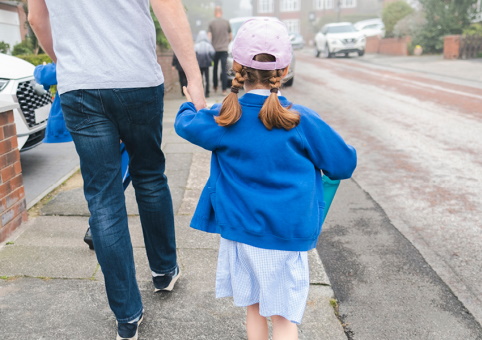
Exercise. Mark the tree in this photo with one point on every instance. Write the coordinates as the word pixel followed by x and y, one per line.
pixel 444 17
pixel 393 13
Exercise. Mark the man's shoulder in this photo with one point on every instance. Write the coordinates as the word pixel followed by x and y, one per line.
pixel 219 22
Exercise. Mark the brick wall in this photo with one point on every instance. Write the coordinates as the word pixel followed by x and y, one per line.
pixel 451 46
pixel 389 46
pixel 13 210
pixel 170 76
pixel 373 44
pixel 394 46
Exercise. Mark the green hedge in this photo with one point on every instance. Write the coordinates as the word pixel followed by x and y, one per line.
pixel 36 59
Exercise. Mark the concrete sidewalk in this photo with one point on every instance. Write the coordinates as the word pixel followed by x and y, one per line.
pixel 51 286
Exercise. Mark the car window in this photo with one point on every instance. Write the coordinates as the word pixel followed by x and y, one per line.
pixel 340 29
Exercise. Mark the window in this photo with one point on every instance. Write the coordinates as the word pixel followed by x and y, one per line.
pixel 328 4
pixel 348 3
pixel 265 6
pixel 318 4
pixel 290 5
pixel 293 25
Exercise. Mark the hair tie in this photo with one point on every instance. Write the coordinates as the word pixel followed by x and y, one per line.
pixel 274 90
pixel 234 89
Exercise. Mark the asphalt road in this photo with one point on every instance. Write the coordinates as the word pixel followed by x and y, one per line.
pixel 412 246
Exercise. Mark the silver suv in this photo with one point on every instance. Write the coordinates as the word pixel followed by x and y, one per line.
pixel 17 85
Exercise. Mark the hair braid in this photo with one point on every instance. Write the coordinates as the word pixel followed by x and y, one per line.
pixel 230 109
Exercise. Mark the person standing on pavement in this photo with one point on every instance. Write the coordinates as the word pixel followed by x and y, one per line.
pixel 205 54
pixel 111 88
pixel 264 195
pixel 219 33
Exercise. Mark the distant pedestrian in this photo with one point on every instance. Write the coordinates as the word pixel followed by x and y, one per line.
pixel 220 34
pixel 180 72
pixel 112 88
pixel 205 55
pixel 265 194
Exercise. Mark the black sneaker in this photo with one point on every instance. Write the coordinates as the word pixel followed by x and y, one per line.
pixel 167 281
pixel 88 239
pixel 128 331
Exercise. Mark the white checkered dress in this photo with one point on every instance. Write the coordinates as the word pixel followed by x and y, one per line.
pixel 276 279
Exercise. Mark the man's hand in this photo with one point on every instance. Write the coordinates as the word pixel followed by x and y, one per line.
pixel 174 23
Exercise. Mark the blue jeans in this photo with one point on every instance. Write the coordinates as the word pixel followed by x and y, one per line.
pixel 98 120
pixel 223 58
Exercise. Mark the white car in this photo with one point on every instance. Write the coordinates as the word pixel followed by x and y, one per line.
pixel 17 85
pixel 371 27
pixel 337 38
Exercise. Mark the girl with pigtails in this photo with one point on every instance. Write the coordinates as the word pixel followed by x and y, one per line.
pixel 264 195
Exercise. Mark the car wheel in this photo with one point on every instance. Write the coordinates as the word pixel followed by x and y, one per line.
pixel 290 82
pixel 317 52
pixel 361 53
pixel 327 52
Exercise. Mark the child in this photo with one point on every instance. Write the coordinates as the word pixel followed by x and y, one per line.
pixel 205 54
pixel 264 195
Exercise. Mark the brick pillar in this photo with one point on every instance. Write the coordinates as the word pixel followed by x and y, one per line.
pixel 13 207
pixel 451 46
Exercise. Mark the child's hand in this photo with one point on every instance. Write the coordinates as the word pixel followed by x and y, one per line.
pixel 186 93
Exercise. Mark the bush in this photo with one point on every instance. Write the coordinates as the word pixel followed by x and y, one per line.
pixel 474 29
pixel 25 47
pixel 4 47
pixel 393 13
pixel 410 26
pixel 36 59
pixel 443 18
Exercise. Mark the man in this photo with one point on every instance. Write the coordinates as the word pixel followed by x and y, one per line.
pixel 111 89
pixel 219 33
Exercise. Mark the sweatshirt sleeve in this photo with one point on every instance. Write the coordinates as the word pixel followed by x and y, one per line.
pixel 46 74
pixel 199 127
pixel 326 148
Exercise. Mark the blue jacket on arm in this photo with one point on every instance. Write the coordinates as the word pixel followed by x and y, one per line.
pixel 265 187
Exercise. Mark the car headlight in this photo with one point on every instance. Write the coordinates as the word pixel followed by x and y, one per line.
pixel 334 42
pixel 3 83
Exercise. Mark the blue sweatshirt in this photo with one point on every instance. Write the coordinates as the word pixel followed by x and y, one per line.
pixel 265 187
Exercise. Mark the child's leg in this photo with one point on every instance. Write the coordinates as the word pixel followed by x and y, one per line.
pixel 256 325
pixel 283 329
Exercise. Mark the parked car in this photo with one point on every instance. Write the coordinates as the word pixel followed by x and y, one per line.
pixel 371 27
pixel 17 85
pixel 235 25
pixel 297 41
pixel 337 38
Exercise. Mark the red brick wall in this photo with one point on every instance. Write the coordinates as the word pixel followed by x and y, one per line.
pixel 373 44
pixel 390 46
pixel 451 46
pixel 394 46
pixel 170 75
pixel 13 210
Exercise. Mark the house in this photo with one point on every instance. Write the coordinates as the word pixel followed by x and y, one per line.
pixel 307 16
pixel 12 22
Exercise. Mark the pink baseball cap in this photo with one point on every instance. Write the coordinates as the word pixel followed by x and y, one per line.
pixel 262 35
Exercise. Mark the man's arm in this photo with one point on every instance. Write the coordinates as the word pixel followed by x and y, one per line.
pixel 175 26
pixel 38 17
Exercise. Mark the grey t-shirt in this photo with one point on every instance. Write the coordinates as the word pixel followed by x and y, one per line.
pixel 104 44
pixel 220 29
